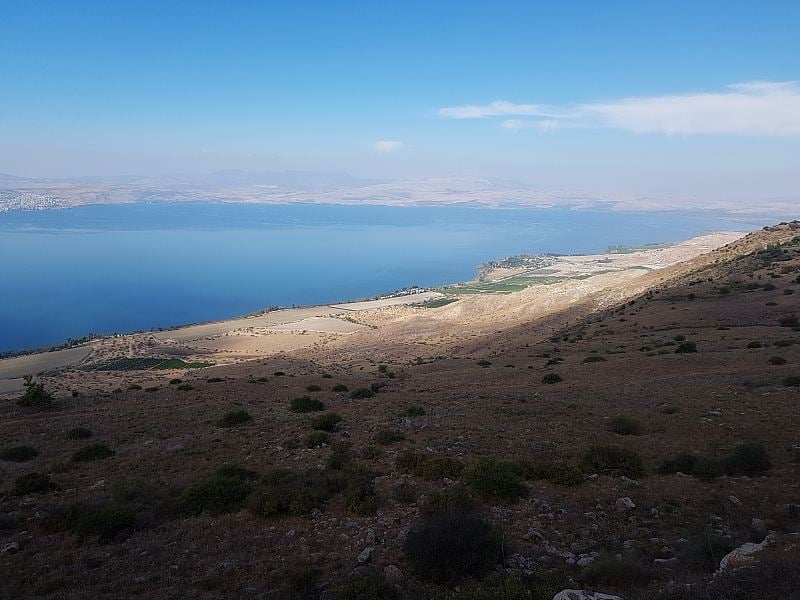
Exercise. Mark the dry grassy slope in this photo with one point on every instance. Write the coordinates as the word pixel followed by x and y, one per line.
pixel 725 394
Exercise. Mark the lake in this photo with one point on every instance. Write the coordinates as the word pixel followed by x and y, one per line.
pixel 104 269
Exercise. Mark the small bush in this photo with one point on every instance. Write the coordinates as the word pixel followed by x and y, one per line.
pixel 613 459
pixel 789 321
pixel 360 496
pixel 175 381
pixel 681 463
pixel 754 344
pixel 747 459
pixel 134 387
pixel 234 418
pixel 389 436
pixel 686 348
pixel 593 359
pixel 363 587
pixel 483 363
pixel 452 499
pixel 315 439
pixel 305 404
pixel 303 583
pixel 35 395
pixel 494 478
pixel 679 338
pixel 289 492
pixel 791 381
pixel 18 453
pixel 777 360
pixel 79 433
pixel 225 491
pixel 105 521
pixel 415 410
pixel 328 422
pixel 362 393
pixel 625 425
pixel 551 378
pixel 184 387
pixel 339 387
pixel 447 547
pixel 92 452
pixel 429 466
pixel 33 483
pixel 313 388
pixel 405 493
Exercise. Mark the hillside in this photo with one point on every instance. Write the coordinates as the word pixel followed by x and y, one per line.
pixel 624 440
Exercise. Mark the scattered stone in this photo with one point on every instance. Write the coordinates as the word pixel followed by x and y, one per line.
pixel 759 527
pixel 583 595
pixel 364 555
pixel 585 561
pixel 734 500
pixel 743 555
pixel 629 481
pixel 665 562
pixel 393 575
pixel 10 548
pixel 624 504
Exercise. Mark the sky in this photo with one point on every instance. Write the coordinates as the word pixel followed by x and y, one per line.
pixel 694 98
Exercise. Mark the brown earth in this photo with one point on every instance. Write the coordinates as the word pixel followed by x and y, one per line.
pixel 476 368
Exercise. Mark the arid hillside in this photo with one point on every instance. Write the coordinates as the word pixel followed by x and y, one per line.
pixel 622 441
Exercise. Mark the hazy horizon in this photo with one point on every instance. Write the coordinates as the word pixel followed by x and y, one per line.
pixel 658 100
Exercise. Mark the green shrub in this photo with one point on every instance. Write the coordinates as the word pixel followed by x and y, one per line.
pixel 509 585
pixel 134 387
pixel 362 393
pixel 704 549
pixel 290 492
pixel 679 338
pixel 625 425
pixel 551 378
pixel 175 381
pixel 686 348
pixel 754 344
pixel 747 459
pixel 18 453
pixel 483 363
pixel 303 583
pixel 415 410
pixel 429 466
pixel 105 521
pixel 494 478
pixel 92 452
pixel 680 463
pixel 447 547
pixel 339 387
pixel 452 499
pixel 791 381
pixel 386 437
pixel 225 491
pixel 789 321
pixel 613 459
pixel 184 387
pixel 305 404
pixel 313 388
pixel 33 483
pixel 79 433
pixel 341 455
pixel 363 587
pixel 777 360
pixel 593 359
pixel 360 496
pixel 328 422
pixel 234 418
pixel 35 396
pixel 315 439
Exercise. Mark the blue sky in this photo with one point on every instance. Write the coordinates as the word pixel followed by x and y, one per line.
pixel 380 89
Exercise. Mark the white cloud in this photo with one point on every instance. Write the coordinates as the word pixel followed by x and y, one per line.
pixel 386 145
pixel 766 109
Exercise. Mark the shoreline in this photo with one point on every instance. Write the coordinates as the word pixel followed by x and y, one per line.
pixel 271 332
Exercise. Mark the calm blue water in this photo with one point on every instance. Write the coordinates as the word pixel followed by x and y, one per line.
pixel 109 269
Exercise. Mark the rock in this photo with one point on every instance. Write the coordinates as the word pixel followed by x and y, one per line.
pixel 734 500
pixel 364 555
pixel 10 548
pixel 393 575
pixel 629 481
pixel 743 555
pixel 624 504
pixel 583 595
pixel 665 562
pixel 585 561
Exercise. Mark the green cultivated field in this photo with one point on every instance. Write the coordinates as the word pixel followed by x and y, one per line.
pixel 145 364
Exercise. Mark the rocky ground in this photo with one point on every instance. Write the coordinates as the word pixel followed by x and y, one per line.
pixel 624 444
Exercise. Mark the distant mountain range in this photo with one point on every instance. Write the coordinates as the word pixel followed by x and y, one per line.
pixel 21 193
